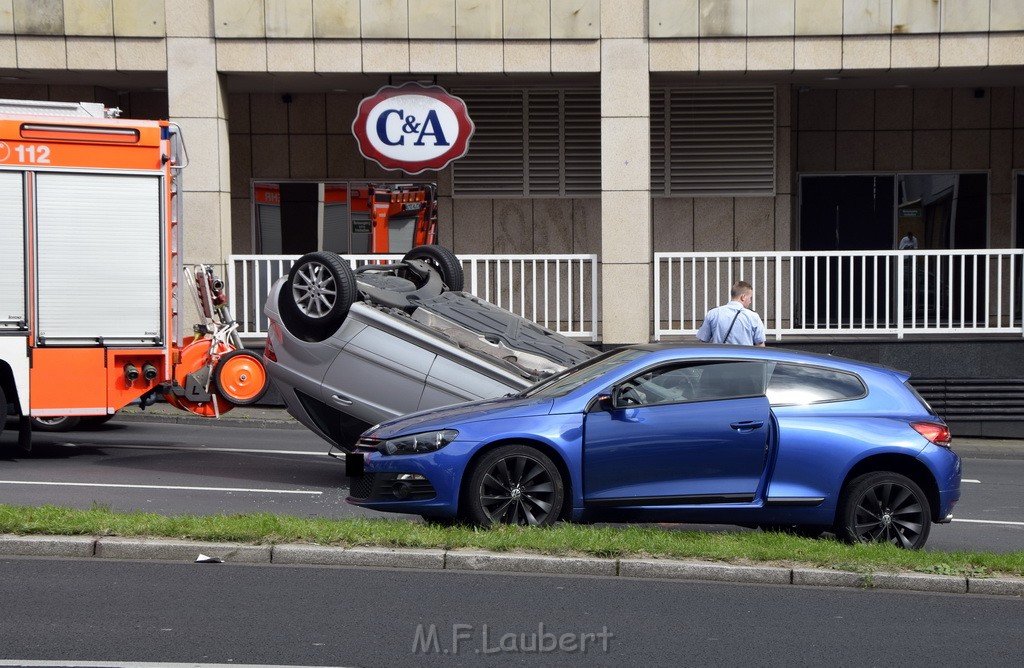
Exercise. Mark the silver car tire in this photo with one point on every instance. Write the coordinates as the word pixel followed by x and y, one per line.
pixel 321 288
pixel 442 259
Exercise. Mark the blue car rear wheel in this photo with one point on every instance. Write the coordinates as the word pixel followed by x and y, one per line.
pixel 515 484
pixel 884 507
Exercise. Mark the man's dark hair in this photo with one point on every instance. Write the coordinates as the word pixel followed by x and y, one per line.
pixel 741 288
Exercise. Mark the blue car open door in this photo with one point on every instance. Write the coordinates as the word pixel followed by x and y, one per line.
pixel 697 434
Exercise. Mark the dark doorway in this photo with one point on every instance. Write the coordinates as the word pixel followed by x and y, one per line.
pixel 300 208
pixel 845 213
pixel 1019 218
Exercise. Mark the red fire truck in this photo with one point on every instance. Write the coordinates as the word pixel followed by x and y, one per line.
pixel 92 286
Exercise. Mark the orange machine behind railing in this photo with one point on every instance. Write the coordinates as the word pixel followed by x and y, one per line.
pixel 396 217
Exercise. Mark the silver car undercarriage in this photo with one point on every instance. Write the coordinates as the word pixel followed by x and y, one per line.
pixel 347 349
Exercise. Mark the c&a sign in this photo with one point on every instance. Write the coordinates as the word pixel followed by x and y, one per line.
pixel 412 127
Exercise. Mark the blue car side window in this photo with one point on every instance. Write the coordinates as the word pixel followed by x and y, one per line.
pixel 705 381
pixel 798 384
pixel 732 380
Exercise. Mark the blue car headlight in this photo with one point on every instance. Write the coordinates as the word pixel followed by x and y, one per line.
pixel 414 444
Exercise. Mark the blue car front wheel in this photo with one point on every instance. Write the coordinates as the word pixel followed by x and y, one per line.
pixel 515 484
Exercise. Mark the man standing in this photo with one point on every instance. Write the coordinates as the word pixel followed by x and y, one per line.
pixel 733 322
pixel 908 242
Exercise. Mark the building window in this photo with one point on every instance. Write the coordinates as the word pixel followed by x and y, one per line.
pixel 1019 218
pixel 864 212
pixel 296 217
pixel 534 142
pixel 712 141
pixel 874 211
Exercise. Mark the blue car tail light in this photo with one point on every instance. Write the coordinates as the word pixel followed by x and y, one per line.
pixel 937 434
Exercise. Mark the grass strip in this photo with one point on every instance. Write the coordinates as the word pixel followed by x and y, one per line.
pixel 642 541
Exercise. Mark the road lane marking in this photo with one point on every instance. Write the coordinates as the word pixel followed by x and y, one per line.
pixel 1003 522
pixel 970 480
pixel 180 487
pixel 194 448
pixel 136 664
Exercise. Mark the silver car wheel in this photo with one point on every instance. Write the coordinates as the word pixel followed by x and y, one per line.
pixel 314 290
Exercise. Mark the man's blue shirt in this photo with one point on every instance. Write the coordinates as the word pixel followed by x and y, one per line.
pixel 748 330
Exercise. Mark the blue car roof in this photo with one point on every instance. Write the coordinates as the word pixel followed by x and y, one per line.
pixel 703 350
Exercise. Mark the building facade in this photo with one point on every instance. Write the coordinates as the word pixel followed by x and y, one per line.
pixel 621 128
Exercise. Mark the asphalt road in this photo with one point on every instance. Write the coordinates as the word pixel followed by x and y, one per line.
pixel 171 468
pixel 95 610
pixel 205 469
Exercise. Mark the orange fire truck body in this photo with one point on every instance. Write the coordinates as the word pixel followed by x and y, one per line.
pixel 90 264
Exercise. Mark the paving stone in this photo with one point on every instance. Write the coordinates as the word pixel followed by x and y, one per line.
pixel 528 563
pixel 48 546
pixel 998 586
pixel 820 577
pixel 180 550
pixel 378 557
pixel 920 582
pixel 695 570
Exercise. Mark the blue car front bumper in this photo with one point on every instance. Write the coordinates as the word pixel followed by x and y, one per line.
pixel 424 484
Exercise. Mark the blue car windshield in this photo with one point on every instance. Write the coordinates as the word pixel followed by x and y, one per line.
pixel 565 382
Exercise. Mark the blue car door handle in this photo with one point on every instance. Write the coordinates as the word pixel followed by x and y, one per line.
pixel 747 425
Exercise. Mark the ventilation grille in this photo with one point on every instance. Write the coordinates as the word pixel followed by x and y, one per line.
pixel 713 141
pixel 538 142
pixel 981 400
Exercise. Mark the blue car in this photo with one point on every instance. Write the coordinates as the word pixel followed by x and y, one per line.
pixel 757 437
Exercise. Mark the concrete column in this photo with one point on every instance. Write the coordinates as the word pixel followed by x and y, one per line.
pixel 626 246
pixel 197 102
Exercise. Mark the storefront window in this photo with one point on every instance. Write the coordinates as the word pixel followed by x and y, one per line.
pixel 944 210
pixel 1019 217
pixel 356 217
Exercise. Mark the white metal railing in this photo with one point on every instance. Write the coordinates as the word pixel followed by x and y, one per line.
pixel 556 291
pixel 892 293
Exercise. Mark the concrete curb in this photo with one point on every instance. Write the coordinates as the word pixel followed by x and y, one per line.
pixel 476 560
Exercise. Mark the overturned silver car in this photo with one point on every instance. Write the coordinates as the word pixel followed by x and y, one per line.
pixel 349 348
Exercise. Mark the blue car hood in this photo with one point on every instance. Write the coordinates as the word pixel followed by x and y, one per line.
pixel 451 416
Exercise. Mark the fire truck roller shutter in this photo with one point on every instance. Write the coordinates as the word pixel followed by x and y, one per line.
pixel 12 251
pixel 100 258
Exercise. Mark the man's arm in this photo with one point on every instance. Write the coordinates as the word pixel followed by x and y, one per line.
pixel 758 334
pixel 704 334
